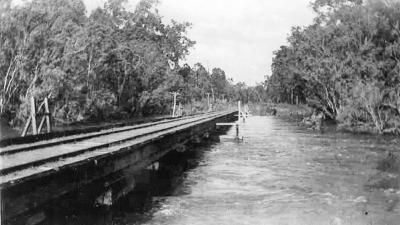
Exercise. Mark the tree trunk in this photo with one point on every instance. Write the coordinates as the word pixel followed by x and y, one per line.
pixel 88 73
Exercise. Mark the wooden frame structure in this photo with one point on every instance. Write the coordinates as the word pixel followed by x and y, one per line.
pixel 44 106
pixel 240 115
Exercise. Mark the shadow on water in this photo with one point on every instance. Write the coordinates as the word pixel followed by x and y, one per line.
pixel 387 179
pixel 151 186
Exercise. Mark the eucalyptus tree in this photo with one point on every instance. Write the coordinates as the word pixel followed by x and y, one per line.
pixel 347 62
pixel 32 46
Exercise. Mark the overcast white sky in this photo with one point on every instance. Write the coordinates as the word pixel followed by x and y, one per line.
pixel 238 36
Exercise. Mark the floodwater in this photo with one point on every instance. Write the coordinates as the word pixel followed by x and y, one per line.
pixel 279 174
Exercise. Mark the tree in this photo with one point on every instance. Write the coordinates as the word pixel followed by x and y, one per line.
pixel 345 63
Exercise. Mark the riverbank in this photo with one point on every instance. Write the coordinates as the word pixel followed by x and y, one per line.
pixel 306 116
pixel 295 113
pixel 303 115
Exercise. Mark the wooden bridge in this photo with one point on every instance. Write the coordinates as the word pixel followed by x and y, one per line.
pixel 35 173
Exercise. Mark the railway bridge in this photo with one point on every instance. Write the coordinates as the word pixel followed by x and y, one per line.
pixel 36 172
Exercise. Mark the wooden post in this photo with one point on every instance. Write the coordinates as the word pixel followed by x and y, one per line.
pixel 41 124
pixel 174 107
pixel 237 131
pixel 179 109
pixel 208 101
pixel 33 116
pixel 239 113
pixel 246 111
pixel 27 125
pixel 47 112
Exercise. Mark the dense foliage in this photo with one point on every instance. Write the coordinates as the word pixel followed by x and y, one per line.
pixel 111 63
pixel 347 63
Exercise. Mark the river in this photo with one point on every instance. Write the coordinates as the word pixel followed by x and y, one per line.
pixel 279 174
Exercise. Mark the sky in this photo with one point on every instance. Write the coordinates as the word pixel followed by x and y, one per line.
pixel 238 36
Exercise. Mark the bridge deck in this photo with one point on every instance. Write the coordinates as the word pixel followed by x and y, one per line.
pixel 24 161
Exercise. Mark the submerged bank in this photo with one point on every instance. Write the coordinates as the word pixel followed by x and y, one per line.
pixel 312 119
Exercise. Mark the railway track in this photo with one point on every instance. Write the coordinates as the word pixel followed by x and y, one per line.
pixel 78 130
pixel 16 148
pixel 26 159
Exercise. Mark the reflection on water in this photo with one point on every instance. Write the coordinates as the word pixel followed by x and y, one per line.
pixel 279 174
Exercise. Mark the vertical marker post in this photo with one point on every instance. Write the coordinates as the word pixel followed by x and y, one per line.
pixel 174 107
pixel 33 116
pixel 208 101
pixel 239 112
pixel 237 131
pixel 179 113
pixel 47 113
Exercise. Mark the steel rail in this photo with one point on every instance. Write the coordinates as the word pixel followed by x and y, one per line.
pixel 12 149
